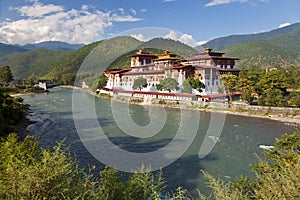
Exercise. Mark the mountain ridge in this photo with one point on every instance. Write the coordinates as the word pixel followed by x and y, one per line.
pixel 223 42
pixel 276 51
pixel 53 45
pixel 281 47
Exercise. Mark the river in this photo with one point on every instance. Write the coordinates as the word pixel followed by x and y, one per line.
pixel 233 150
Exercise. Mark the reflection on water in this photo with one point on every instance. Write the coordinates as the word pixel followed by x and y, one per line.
pixel 235 149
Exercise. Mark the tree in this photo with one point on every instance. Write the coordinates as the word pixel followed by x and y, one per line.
pixel 187 87
pixel 294 99
pixel 102 81
pixel 29 171
pixel 67 79
pixel 247 87
pixel 139 83
pixel 5 75
pixel 272 85
pixel 192 83
pixel 168 84
pixel 12 112
pixel 230 82
pixel 277 175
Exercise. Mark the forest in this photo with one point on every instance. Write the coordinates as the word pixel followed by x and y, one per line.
pixel 274 87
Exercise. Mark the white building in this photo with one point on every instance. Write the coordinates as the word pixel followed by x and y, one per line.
pixel 206 66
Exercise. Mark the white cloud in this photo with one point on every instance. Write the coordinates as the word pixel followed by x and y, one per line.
pixel 284 25
pixel 122 11
pixel 164 1
pixel 38 9
pixel 85 7
pixel 133 11
pixel 126 18
pixel 139 37
pixel 220 2
pixel 48 22
pixel 172 35
pixel 184 38
pixel 143 10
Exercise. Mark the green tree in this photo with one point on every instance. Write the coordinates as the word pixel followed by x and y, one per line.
pixel 247 80
pixel 144 185
pixel 230 82
pixel 221 90
pixel 294 99
pixel 67 79
pixel 187 87
pixel 247 87
pixel 197 84
pixel 168 84
pixel 102 81
pixel 139 83
pixel 272 85
pixel 5 75
pixel 192 83
pixel 29 171
pixel 12 112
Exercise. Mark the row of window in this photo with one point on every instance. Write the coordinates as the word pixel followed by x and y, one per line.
pixel 213 83
pixel 226 66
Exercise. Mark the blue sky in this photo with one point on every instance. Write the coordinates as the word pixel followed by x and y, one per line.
pixel 190 21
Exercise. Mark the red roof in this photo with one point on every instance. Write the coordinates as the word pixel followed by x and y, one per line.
pixel 157 93
pixel 229 70
pixel 144 54
pixel 116 71
pixel 200 57
pixel 177 66
pixel 143 66
pixel 145 72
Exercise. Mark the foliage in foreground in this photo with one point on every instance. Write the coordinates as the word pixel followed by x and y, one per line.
pixel 277 176
pixel 12 112
pixel 28 171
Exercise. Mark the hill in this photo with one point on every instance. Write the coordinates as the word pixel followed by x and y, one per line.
pixel 65 71
pixel 154 46
pixel 279 50
pixel 34 64
pixel 289 41
pixel 223 42
pixel 53 45
pixel 176 47
pixel 7 51
pixel 63 65
pixel 262 53
pixel 102 56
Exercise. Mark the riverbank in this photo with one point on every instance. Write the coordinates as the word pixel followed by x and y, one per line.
pixel 289 116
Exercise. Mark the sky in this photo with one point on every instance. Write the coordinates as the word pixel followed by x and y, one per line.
pixel 193 22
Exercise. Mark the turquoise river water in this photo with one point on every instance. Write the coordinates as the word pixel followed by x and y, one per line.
pixel 235 148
